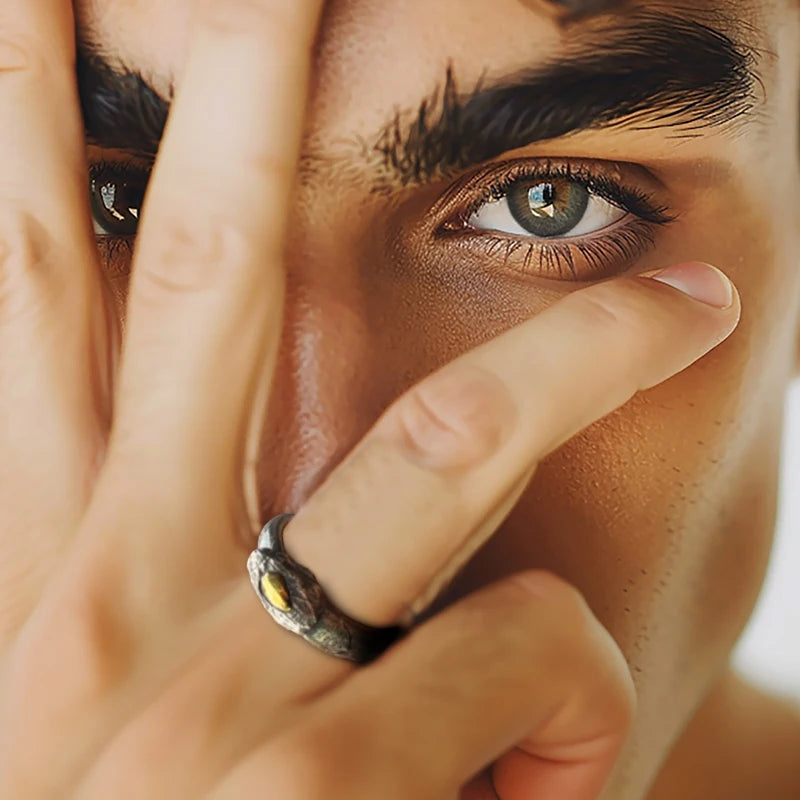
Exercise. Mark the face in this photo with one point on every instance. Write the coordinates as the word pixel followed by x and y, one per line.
pixel 419 232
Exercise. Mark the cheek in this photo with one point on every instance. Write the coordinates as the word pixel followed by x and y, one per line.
pixel 662 513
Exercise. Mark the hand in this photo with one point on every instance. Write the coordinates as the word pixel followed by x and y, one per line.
pixel 136 661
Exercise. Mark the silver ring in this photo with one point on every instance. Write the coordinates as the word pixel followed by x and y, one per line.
pixel 292 595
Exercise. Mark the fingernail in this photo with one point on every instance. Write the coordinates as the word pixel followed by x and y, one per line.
pixel 699 280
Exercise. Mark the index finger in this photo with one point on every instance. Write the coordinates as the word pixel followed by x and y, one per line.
pixel 445 464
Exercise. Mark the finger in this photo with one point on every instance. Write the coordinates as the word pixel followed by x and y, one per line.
pixel 434 477
pixel 398 514
pixel 207 288
pixel 203 323
pixel 431 482
pixel 443 466
pixel 400 510
pixel 521 671
pixel 54 350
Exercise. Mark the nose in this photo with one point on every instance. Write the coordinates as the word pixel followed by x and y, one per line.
pixel 330 385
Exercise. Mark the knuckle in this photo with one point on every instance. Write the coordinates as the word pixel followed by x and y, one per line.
pixel 562 610
pixel 25 262
pixel 72 647
pixel 189 259
pixel 21 56
pixel 455 419
pixel 582 651
pixel 605 307
pixel 555 590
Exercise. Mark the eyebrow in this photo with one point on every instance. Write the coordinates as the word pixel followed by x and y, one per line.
pixel 578 8
pixel 659 71
pixel 120 109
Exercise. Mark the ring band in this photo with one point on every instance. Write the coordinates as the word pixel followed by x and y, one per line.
pixel 292 595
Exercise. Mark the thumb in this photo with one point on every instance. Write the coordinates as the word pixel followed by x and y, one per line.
pixel 520 674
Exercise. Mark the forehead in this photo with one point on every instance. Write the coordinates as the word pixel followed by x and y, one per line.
pixel 150 36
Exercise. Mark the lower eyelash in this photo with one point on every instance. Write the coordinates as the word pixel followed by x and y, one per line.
pixel 116 253
pixel 618 246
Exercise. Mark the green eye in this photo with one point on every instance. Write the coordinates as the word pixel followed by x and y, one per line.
pixel 549 208
pixel 116 193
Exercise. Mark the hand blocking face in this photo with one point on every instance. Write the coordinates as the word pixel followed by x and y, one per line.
pixel 160 645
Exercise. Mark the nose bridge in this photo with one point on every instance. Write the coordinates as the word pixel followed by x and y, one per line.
pixel 325 394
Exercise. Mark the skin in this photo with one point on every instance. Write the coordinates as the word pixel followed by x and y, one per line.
pixel 661 513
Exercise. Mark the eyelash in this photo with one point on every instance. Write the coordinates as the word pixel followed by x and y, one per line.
pixel 620 244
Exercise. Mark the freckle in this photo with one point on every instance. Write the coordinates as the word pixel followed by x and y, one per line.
pixel 714 460
pixel 663 583
pixel 625 590
pixel 702 444
pixel 627 609
pixel 691 405
pixel 718 422
pixel 643 571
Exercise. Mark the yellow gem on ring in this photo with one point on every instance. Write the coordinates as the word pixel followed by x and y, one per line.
pixel 274 588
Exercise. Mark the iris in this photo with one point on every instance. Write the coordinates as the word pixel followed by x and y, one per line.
pixel 549 208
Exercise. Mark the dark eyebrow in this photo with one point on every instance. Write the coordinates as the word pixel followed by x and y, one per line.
pixel 120 109
pixel 579 8
pixel 654 71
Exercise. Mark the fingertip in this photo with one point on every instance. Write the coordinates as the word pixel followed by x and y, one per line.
pixel 700 281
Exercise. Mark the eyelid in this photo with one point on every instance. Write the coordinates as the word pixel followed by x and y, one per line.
pixel 600 254
pixel 616 182
pixel 120 168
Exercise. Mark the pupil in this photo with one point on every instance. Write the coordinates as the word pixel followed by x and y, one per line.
pixel 108 193
pixel 548 208
pixel 116 205
pixel 541 195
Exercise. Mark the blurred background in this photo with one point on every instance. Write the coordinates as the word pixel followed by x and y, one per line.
pixel 769 652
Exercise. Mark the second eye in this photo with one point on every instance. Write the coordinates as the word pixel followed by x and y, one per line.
pixel 546 209
pixel 116 192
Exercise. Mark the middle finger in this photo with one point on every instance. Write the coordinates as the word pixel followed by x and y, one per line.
pixel 206 298
pixel 421 492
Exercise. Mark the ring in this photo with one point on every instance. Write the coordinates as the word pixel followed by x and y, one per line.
pixel 296 601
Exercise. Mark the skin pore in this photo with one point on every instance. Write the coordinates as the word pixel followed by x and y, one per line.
pixel 662 513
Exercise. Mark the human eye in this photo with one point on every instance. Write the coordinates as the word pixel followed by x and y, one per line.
pixel 557 220
pixel 116 195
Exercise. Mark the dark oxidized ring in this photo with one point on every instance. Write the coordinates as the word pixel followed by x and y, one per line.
pixel 296 601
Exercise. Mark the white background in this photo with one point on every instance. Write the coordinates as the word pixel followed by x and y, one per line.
pixel 769 652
